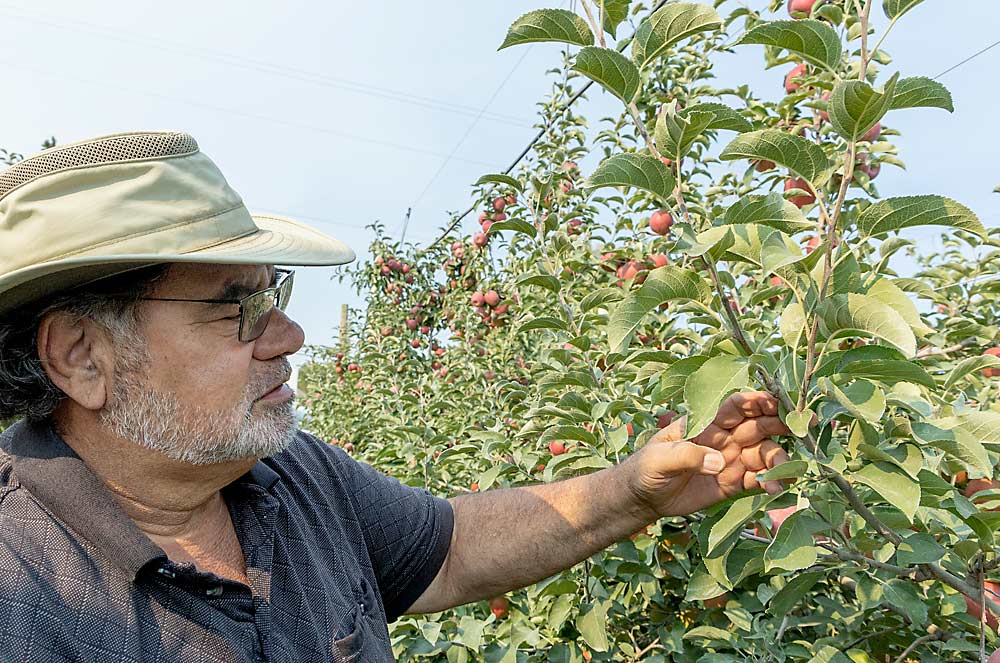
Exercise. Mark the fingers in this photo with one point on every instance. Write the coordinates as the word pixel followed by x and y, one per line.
pixel 749 431
pixel 743 405
pixel 680 457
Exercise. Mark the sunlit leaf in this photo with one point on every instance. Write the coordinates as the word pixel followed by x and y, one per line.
pixel 668 25
pixel 499 178
pixel 908 211
pixel 896 8
pixel 793 548
pixel 549 25
pixel 814 41
pixel 708 386
pixel 862 313
pixel 801 156
pixel 641 171
pixel 855 106
pixel 921 92
pixel 893 484
pixel 669 283
pixel 771 210
pixel 611 69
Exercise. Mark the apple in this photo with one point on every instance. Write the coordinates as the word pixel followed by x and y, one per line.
pixel 415 342
pixel 500 310
pixel 659 260
pixel 663 420
pixel 557 448
pixel 798 183
pixel 630 269
pixel 474 486
pixel 812 244
pixel 479 239
pixel 991 372
pixel 975 486
pixel 491 298
pixel 511 199
pixel 992 591
pixel 872 134
pixel 483 216
pixel 487 225
pixel 565 186
pixel 499 203
pixel 499 607
pixel 796 71
pixel 348 447
pixel 569 165
pixel 660 222
pixel 477 299
pixel 574 226
pixel 994 657
pixel 800 8
pixel 412 323
pixel 386 331
pixel 763 165
pixel 718 602
pixel 776 281
pixel 499 216
pixel 425 329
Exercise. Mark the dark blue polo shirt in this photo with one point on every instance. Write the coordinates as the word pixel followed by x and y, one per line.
pixel 333 551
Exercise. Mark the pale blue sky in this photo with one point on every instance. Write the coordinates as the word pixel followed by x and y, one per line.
pixel 342 113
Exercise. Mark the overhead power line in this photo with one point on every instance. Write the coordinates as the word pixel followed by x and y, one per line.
pixel 245 114
pixel 968 59
pixel 315 78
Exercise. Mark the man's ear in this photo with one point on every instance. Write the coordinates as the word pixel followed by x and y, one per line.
pixel 78 358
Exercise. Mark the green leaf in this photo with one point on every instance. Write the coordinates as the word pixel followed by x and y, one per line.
pixel 517 225
pixel 814 41
pixel 861 398
pixel 893 484
pixel 635 170
pixel 668 283
pixel 592 625
pixel 737 515
pixel 674 134
pixel 615 11
pixel 611 69
pixel 709 634
pixel 549 25
pixel 568 433
pixel 499 178
pixel 695 245
pixel 668 25
pixel 956 442
pixel 792 548
pixel 772 210
pixel 895 298
pixel 792 324
pixel 896 8
pixel 862 313
pixel 889 371
pixel 908 211
pixel 543 322
pixel 984 426
pixel 600 297
pixel 968 367
pixel 801 156
pixel 918 548
pixel 921 92
pixel 708 386
pixel 793 591
pixel 828 654
pixel 904 595
pixel 673 379
pixel 546 281
pixel 790 469
pixel 798 421
pixel 856 106
pixel 779 250
pixel 724 117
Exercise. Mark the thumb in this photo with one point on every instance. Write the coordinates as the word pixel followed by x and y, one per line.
pixel 689 457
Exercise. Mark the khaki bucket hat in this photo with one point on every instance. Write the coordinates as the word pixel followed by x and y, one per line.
pixel 81 212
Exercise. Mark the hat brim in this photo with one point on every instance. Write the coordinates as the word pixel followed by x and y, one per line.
pixel 278 241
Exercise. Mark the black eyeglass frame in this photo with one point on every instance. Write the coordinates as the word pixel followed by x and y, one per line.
pixel 260 304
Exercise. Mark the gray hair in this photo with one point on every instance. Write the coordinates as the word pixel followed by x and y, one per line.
pixel 113 303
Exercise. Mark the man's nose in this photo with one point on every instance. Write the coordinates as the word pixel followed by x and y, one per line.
pixel 283 336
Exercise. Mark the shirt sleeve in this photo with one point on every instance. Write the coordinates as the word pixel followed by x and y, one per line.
pixel 407 531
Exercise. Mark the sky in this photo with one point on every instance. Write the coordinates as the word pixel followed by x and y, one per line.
pixel 342 114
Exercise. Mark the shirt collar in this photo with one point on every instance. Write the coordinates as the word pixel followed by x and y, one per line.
pixel 51 471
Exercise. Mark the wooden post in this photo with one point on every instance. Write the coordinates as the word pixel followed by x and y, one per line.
pixel 344 329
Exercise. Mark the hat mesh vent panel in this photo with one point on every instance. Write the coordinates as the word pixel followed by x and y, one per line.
pixel 114 149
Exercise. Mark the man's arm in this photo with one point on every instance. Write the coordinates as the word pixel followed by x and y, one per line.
pixel 510 538
pixel 506 539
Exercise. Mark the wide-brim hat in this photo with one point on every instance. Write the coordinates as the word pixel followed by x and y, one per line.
pixel 81 212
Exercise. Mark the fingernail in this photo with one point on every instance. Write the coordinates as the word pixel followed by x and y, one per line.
pixel 713 462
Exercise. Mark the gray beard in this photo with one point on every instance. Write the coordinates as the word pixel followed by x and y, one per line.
pixel 159 422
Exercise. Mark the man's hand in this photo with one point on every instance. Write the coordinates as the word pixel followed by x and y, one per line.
pixel 675 477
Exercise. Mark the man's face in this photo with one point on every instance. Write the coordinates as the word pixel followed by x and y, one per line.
pixel 191 389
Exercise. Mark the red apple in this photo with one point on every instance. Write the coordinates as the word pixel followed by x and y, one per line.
pixel 776 281
pixel 474 486
pixel 511 199
pixel 992 591
pixel 412 323
pixel 824 115
pixel 479 239
pixel 499 607
pixel 630 269
pixel 872 134
pixel 796 72
pixel 994 657
pixel 499 216
pixel 574 226
pixel 658 260
pixel 483 216
pixel 991 372
pixel 800 8
pixel 663 420
pixel 763 165
pixel 557 448
pixel 799 183
pixel 569 165
pixel 717 602
pixel 477 299
pixel 491 298
pixel 660 222
pixel 500 310
pixel 499 203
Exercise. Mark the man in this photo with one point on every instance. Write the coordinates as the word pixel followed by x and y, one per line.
pixel 156 501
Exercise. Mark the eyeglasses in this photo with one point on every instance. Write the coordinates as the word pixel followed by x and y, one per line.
pixel 255 309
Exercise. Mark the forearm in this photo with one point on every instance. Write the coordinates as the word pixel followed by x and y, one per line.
pixel 506 539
